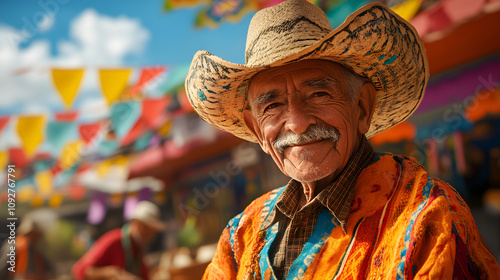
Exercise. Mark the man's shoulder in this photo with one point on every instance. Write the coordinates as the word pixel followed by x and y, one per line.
pixel 384 161
pixel 415 175
pixel 258 208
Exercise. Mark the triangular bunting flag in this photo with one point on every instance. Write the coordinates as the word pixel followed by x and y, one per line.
pixel 77 192
pixel 147 74
pixel 103 167
pixel 4 159
pixel 3 123
pixel 36 201
pixel 18 157
pixel 142 142
pixel 55 200
pixel 113 83
pixel 175 79
pixel 175 4
pixel 89 131
pixel 165 129
pixel 107 148
pixel 30 131
pixel 44 182
pixel 71 154
pixel 123 117
pixel 58 134
pixel 134 133
pixel 67 82
pixel 407 9
pixel 26 193
pixel 69 116
pixel 153 109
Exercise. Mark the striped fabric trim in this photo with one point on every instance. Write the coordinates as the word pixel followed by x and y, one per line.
pixel 425 194
pixel 322 231
pixel 348 250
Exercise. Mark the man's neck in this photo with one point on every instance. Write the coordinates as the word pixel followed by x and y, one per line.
pixel 312 189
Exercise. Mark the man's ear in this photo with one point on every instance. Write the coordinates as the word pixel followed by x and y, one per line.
pixel 367 100
pixel 254 128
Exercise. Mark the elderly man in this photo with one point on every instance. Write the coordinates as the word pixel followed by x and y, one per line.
pixel 310 96
pixel 119 253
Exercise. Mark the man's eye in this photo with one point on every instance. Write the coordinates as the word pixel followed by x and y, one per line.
pixel 271 106
pixel 320 93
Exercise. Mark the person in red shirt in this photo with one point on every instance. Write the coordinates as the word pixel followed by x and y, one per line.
pixel 118 254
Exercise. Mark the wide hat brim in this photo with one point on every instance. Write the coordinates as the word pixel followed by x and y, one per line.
pixel 373 42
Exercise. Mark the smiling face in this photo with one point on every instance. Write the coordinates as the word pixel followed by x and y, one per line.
pixel 304 117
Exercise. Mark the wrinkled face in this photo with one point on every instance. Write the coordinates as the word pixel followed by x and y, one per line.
pixel 304 118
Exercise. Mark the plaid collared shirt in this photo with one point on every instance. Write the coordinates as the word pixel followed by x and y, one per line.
pixel 296 225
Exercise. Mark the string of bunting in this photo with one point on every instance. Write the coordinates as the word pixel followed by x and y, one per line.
pixel 55 145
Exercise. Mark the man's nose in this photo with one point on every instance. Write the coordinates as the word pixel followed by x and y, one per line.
pixel 299 117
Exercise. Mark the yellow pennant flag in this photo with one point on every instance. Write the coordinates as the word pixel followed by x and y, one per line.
pixel 114 82
pixel 67 82
pixel 4 159
pixel 121 160
pixel 26 194
pixel 71 154
pixel 37 201
pixel 30 131
pixel 56 200
pixel 407 9
pixel 103 167
pixel 165 129
pixel 44 182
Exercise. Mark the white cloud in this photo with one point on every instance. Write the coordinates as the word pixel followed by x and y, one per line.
pixel 47 23
pixel 95 41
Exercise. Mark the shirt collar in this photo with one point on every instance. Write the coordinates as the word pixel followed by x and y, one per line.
pixel 337 197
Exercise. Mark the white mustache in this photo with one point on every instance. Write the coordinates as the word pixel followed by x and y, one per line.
pixel 313 133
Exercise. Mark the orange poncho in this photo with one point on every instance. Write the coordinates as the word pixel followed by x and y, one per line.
pixel 403 224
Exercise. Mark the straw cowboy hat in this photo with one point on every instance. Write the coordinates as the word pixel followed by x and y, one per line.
pixel 373 42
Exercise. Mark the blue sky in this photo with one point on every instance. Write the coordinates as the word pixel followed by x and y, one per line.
pixel 173 36
pixel 36 35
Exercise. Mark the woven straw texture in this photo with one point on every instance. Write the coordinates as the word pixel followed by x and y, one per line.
pixel 373 42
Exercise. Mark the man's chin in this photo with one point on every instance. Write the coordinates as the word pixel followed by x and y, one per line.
pixel 312 175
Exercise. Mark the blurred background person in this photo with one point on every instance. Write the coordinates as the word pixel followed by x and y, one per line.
pixel 119 253
pixel 30 260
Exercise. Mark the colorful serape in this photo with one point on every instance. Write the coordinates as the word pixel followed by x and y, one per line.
pixel 403 224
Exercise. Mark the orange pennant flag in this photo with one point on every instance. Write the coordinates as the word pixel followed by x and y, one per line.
pixel 67 82
pixel 30 130
pixel 113 82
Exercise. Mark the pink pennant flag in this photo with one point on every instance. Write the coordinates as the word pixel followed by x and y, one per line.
pixel 66 116
pixel 89 131
pixel 153 109
pixel 3 123
pixel 147 74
